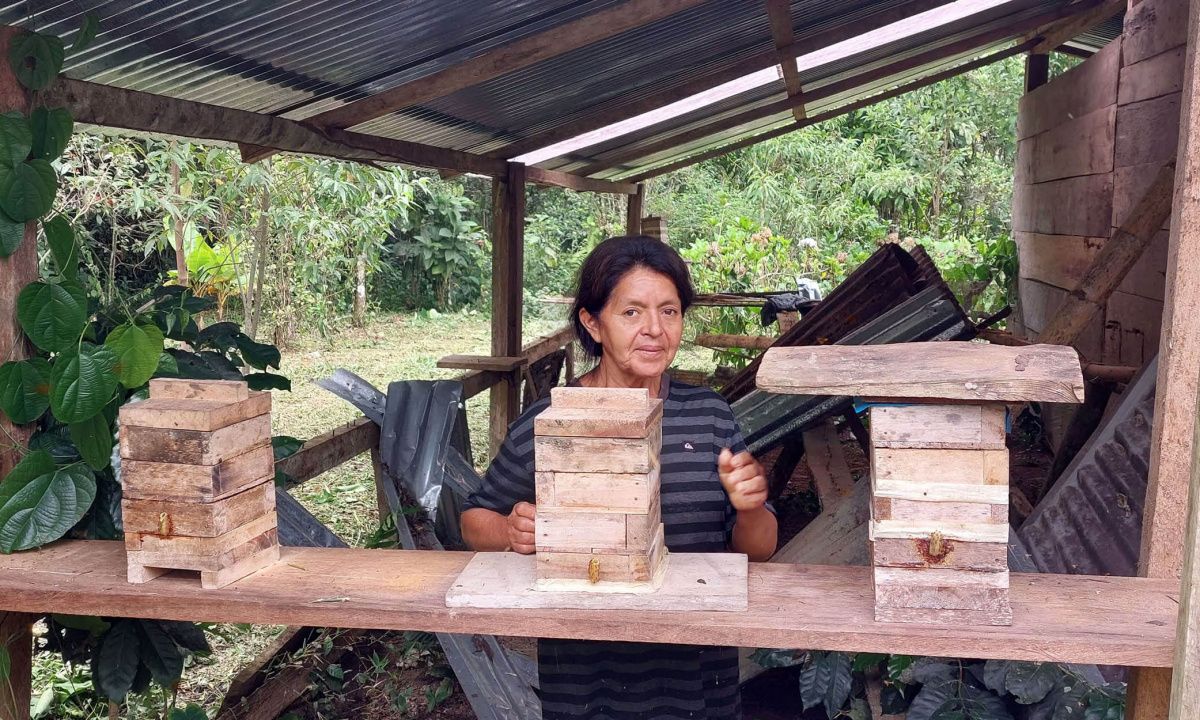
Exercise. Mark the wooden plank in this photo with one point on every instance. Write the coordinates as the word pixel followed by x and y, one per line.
pixel 1165 512
pixel 1148 131
pixel 198 519
pixel 950 370
pixel 595 455
pixel 1089 86
pixel 1185 686
pixel 750 342
pixel 1134 326
pixel 779 14
pixel 953 492
pixel 600 398
pixel 1153 27
pixel 574 531
pixel 633 211
pixel 968 427
pixel 199 415
pixel 827 462
pixel 1080 146
pixel 1053 36
pixel 1111 264
pixel 199 547
pixel 506 58
pixel 508 267
pixel 572 422
pixel 1107 620
pixel 907 510
pixel 1039 302
pixel 912 529
pixel 187 482
pixel 1153 77
pixel 715 582
pixel 640 528
pixel 1071 206
pixel 1130 184
pixel 638 101
pixel 578 183
pixel 185 389
pixel 915 553
pixel 924 466
pixel 1058 260
pixel 330 449
pixel 482 362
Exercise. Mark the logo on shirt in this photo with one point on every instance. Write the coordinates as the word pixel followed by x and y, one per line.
pixel 688 446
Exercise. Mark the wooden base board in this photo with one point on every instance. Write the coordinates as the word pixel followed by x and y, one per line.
pixel 693 581
pixel 925 616
pixel 209 579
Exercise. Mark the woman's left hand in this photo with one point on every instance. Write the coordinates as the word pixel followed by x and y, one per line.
pixel 743 480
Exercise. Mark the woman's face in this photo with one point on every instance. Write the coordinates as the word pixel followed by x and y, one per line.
pixel 640 326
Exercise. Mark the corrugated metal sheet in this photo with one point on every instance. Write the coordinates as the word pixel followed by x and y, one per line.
pixel 1090 522
pixel 297 58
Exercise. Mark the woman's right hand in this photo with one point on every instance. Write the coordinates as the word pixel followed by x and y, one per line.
pixel 521 526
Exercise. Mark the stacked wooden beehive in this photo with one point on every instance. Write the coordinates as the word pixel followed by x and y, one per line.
pixel 939 464
pixel 599 523
pixel 197 472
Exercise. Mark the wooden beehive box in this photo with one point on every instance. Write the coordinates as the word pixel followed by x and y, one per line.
pixel 197 473
pixel 599 523
pixel 939 462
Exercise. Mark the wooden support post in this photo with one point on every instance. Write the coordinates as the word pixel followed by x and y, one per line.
pixel 508 259
pixel 1185 685
pixel 16 271
pixel 1164 518
pixel 633 211
pixel 1037 71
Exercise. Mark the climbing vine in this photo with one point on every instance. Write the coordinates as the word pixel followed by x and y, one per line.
pixel 90 359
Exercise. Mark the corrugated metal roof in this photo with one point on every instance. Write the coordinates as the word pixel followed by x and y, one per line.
pixel 297 58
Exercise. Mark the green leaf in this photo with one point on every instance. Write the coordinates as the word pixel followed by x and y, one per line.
pixel 256 354
pixel 898 665
pixel 60 236
pixel 160 653
pixel 995 674
pixel 82 383
pixel 36 59
pixel 52 128
pixel 46 508
pixel 53 315
pixel 191 712
pixel 16 138
pixel 116 663
pixel 87 32
pixel 285 446
pixel 90 623
pixel 5 664
pixel 839 683
pixel 27 189
pixel 137 348
pixel 12 234
pixel 24 389
pixel 268 381
pixel 930 699
pixel 188 635
pixel 1031 682
pixel 167 367
pixel 866 661
pixel 34 464
pixel 94 438
pixel 56 442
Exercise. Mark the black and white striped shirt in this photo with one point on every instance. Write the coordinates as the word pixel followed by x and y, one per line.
pixel 618 681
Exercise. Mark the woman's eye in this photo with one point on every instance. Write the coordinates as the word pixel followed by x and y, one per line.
pixel 630 312
pixel 671 311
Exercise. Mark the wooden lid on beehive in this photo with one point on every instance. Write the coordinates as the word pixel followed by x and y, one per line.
pixel 203 405
pixel 599 412
pixel 927 371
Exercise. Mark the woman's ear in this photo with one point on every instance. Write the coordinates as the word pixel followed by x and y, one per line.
pixel 591 323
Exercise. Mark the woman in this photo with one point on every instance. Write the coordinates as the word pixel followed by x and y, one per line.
pixel 628 312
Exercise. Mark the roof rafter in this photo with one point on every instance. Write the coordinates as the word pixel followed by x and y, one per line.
pixel 504 59
pixel 965 45
pixel 830 114
pixel 779 12
pixel 109 106
pixel 649 102
pixel 1060 32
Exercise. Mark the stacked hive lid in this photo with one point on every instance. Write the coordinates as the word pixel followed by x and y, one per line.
pixel 197 472
pixel 939 462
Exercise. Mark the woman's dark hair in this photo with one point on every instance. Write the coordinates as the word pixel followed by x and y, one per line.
pixel 609 262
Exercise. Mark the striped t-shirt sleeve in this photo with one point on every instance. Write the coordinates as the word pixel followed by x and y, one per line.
pixel 509 479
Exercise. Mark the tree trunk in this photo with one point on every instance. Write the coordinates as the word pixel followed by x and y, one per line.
pixel 359 315
pixel 180 254
pixel 254 290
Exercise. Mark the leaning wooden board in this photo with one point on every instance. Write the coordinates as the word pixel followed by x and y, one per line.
pixel 1083 619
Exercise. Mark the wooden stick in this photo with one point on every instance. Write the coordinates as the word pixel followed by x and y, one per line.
pixel 750 342
pixel 1113 261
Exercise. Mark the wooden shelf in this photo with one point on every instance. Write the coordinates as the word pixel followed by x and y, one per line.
pixel 482 362
pixel 1062 618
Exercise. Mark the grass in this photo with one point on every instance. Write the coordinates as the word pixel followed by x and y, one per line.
pixel 392 347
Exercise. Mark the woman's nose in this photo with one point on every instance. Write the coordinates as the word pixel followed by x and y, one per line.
pixel 654 325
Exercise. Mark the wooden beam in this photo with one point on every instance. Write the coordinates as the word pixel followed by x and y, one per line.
pixel 330 449
pixel 1074 51
pixel 16 271
pixel 571 181
pixel 1113 262
pixel 1082 20
pixel 633 211
pixel 779 13
pixel 508 253
pixel 1056 618
pixel 1185 685
pixel 482 362
pixel 1037 71
pixel 830 114
pixel 622 109
pixel 833 89
pixel 1172 440
pixel 114 107
pixel 749 342
pixel 530 50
